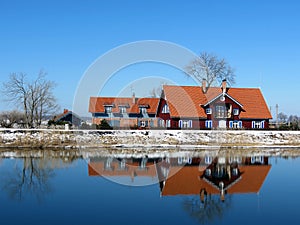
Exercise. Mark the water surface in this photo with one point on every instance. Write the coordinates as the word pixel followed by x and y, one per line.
pixel 62 188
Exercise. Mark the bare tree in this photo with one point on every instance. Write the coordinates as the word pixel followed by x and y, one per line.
pixel 209 210
pixel 32 178
pixel 211 68
pixel 282 117
pixel 156 92
pixel 9 118
pixel 34 97
pixel 294 122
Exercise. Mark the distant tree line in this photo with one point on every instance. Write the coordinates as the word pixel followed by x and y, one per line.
pixel 291 122
pixel 9 119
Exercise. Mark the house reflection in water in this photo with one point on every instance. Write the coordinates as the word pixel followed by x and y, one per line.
pixel 210 176
pixel 123 167
pixel 201 176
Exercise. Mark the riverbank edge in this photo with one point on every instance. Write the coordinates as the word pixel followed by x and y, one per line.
pixel 159 139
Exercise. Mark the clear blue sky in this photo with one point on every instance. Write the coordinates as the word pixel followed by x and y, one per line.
pixel 260 39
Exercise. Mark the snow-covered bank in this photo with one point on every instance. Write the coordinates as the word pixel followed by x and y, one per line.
pixel 46 138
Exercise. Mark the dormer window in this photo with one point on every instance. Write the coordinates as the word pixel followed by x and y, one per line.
pixel 208 111
pixel 122 109
pixel 108 109
pixel 165 109
pixel 143 110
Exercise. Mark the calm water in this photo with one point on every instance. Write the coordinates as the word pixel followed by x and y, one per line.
pixel 61 188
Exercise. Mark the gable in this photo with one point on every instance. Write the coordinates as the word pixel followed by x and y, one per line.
pixel 220 96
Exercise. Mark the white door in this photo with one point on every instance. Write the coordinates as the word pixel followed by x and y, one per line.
pixel 222 124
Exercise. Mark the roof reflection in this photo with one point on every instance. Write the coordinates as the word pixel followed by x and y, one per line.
pixel 207 175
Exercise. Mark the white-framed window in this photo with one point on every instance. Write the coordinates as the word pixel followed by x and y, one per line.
pixel 208 111
pixel 143 110
pixel 236 112
pixel 185 123
pixel 208 160
pixel 144 163
pixel 165 109
pixel 235 159
pixel 208 123
pixel 220 111
pixel 258 124
pixel 144 123
pixel 168 123
pixel 235 124
pixel 257 159
pixel 122 109
pixel 108 109
pixel 123 164
pixel 161 123
pixel 108 164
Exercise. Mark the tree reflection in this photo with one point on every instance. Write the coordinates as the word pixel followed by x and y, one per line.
pixel 206 209
pixel 29 177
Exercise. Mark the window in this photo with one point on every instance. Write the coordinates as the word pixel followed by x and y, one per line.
pixel 208 172
pixel 161 123
pixel 208 160
pixel 165 109
pixel 123 164
pixel 144 123
pixel 208 123
pixel 236 112
pixel 235 124
pixel 235 159
pixel 108 164
pixel 144 163
pixel 122 109
pixel 185 123
pixel 168 123
pixel 143 110
pixel 257 159
pixel 108 109
pixel 235 172
pixel 258 124
pixel 220 111
pixel 165 123
pixel 208 111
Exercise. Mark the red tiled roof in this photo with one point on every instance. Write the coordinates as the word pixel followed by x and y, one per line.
pixel 97 104
pixel 186 101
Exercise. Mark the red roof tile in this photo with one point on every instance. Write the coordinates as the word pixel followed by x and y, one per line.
pixel 97 104
pixel 186 101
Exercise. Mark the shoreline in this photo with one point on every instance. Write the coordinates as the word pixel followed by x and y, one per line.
pixel 160 139
pixel 86 154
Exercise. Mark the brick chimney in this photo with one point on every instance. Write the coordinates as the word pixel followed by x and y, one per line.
pixel 133 98
pixel 204 87
pixel 224 85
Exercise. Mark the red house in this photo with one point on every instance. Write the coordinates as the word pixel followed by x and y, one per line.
pixel 121 112
pixel 186 107
pixel 194 107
